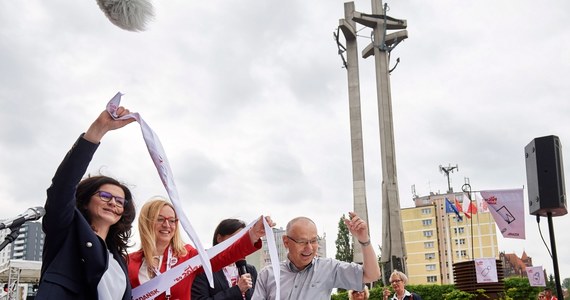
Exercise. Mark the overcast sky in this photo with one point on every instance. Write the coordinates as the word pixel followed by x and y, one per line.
pixel 250 101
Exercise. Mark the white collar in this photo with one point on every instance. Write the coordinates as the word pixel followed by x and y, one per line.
pixel 406 293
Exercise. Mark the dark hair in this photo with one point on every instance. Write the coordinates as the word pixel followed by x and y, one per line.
pixel 227 227
pixel 119 233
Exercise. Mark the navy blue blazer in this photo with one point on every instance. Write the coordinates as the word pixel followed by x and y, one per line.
pixel 222 291
pixel 74 257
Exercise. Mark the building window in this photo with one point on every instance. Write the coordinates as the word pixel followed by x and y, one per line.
pixel 459 241
pixel 426 222
pixel 432 279
pixel 426 211
pixel 430 255
pixel 428 233
pixel 428 245
pixel 461 253
pixel 459 230
pixel 430 267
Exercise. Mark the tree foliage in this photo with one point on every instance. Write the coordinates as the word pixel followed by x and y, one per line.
pixel 551 283
pixel 516 288
pixel 566 283
pixel 344 249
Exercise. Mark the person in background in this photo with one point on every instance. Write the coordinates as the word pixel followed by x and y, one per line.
pixel 162 248
pixel 87 225
pixel 359 295
pixel 228 284
pixel 548 294
pixel 4 292
pixel 306 276
pixel 540 296
pixel 398 280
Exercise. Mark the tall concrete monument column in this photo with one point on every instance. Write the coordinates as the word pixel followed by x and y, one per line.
pixel 348 27
pixel 393 247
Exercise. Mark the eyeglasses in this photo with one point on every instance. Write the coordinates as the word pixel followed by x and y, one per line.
pixel 107 197
pixel 314 241
pixel 396 281
pixel 171 221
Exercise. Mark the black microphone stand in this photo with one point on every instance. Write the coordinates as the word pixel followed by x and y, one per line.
pixel 15 231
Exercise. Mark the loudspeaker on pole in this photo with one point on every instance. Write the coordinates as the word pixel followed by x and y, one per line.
pixel 545 176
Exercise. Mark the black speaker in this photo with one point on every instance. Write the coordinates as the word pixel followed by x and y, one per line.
pixel 545 176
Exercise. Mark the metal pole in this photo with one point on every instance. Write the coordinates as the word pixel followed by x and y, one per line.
pixel 554 257
pixel 467 189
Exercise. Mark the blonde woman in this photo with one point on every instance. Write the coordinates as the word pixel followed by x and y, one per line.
pixel 359 295
pixel 162 248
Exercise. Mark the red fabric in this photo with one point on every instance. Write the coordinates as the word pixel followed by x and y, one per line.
pixel 472 209
pixel 458 205
pixel 181 291
pixel 460 208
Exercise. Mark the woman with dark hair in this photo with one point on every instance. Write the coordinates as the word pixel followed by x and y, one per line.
pixel 228 284
pixel 162 248
pixel 87 225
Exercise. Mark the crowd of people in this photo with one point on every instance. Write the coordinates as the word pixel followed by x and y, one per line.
pixel 88 225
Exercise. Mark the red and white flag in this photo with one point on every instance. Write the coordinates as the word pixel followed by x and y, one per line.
pixel 468 206
pixel 482 205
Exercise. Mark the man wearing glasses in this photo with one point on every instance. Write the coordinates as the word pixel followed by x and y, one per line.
pixel 305 276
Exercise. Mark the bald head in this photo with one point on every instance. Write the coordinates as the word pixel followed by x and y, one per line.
pixel 302 222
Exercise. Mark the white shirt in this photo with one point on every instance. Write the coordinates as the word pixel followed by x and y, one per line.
pixel 114 281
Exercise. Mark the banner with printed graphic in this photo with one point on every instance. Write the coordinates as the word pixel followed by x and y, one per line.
pixel 535 276
pixel 486 270
pixel 507 208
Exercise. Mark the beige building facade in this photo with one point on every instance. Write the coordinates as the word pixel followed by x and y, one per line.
pixel 436 239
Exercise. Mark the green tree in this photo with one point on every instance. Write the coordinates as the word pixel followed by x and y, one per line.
pixel 551 283
pixel 344 249
pixel 566 283
pixel 519 288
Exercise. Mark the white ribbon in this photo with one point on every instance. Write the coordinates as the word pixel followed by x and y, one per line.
pixel 270 238
pixel 162 282
pixel 163 167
